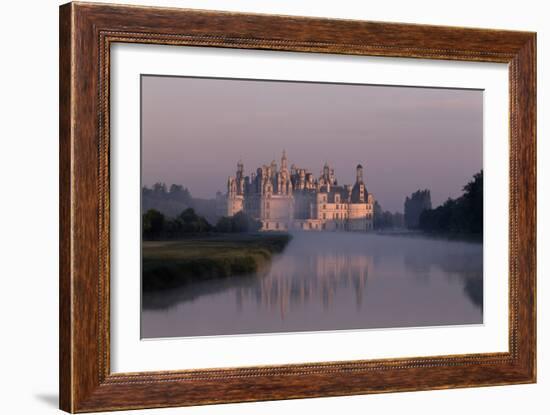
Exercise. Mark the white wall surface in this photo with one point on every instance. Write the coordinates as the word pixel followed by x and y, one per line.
pixel 29 206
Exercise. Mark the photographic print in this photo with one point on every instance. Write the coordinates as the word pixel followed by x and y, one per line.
pixel 258 207
pixel 287 206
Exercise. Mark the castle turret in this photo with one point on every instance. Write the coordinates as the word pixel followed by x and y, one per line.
pixel 359 190
pixel 239 178
pixel 326 172
pixel 240 169
pixel 231 189
pixel 359 174
pixel 272 169
pixel 284 161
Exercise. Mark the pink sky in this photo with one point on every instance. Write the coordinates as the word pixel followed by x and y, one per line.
pixel 194 130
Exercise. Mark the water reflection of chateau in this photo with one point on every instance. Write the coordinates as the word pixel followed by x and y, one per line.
pixel 284 198
pixel 316 280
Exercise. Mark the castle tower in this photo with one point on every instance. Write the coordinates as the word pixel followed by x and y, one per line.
pixel 284 161
pixel 240 169
pixel 326 171
pixel 332 177
pixel 359 190
pixel 273 169
pixel 240 178
pixel 231 188
pixel 359 174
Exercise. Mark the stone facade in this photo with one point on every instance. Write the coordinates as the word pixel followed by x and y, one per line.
pixel 293 199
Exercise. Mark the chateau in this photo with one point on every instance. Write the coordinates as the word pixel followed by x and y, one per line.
pixel 293 199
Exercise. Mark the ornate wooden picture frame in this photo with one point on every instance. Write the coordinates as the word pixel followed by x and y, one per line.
pixel 87 32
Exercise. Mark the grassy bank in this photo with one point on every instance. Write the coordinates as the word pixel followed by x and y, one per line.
pixel 168 264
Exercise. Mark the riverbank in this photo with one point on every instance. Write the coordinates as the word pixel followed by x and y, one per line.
pixel 169 264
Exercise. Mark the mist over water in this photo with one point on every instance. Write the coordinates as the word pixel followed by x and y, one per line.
pixel 331 281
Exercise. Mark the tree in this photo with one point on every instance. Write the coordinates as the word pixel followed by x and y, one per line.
pixel 398 220
pixel 190 222
pixel 146 192
pixel 377 215
pixel 244 223
pixel 472 201
pixel 415 205
pixel 238 223
pixel 159 190
pixel 441 219
pixel 180 194
pixel 153 224
pixel 224 225
pixel 461 215
pixel 170 202
pixel 387 219
pixel 384 219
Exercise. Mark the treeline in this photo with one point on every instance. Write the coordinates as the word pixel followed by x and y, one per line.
pixel 174 199
pixel 155 225
pixel 418 202
pixel 160 191
pixel 461 215
pixel 384 219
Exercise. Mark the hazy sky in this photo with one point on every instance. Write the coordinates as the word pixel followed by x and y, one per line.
pixel 194 130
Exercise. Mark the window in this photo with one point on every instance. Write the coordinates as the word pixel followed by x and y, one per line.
pixel 324 215
pixel 277 225
pixel 324 206
pixel 310 226
pixel 267 225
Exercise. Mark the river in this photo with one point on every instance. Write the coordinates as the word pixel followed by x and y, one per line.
pixel 331 281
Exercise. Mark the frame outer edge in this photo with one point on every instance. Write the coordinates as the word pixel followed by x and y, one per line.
pixel 528 224
pixel 534 230
pixel 66 120
pixel 523 113
pixel 82 387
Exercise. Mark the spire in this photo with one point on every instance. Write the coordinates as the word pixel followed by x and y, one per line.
pixel 326 171
pixel 240 169
pixel 359 176
pixel 284 161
